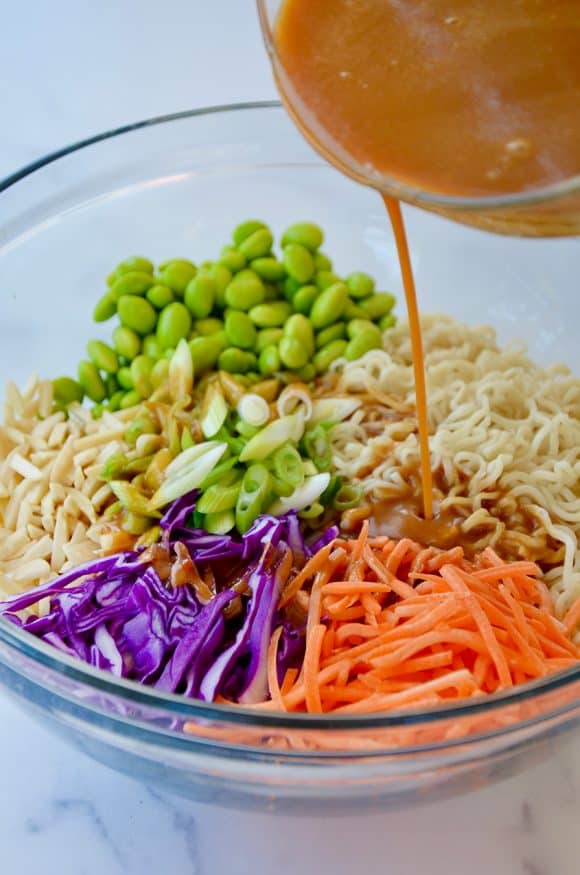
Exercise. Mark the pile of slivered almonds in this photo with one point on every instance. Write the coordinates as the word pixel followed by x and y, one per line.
pixel 51 492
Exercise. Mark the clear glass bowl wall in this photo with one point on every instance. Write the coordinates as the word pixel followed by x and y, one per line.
pixel 176 187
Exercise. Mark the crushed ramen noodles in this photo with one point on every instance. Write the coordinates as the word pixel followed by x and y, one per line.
pixel 505 442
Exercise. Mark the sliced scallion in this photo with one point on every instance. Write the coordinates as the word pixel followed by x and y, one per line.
pixel 219 498
pixel 220 523
pixel 272 436
pixel 254 409
pixel 214 411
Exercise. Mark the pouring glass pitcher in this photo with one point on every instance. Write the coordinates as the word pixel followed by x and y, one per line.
pixel 468 108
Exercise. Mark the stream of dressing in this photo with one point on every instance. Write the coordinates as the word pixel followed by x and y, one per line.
pixel 394 210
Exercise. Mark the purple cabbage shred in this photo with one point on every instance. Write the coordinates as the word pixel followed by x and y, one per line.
pixel 116 613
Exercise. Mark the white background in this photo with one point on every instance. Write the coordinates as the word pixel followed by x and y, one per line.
pixel 69 70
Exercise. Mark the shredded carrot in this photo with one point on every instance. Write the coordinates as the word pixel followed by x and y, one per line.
pixel 288 682
pixel 311 664
pixel 394 624
pixel 309 569
pixel 273 684
pixel 572 618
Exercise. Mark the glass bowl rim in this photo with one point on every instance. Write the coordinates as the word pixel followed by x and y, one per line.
pixel 131 691
pixel 419 196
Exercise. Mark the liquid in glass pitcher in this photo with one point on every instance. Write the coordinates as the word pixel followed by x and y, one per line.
pixel 468 108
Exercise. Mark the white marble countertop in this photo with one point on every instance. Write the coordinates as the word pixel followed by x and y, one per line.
pixel 68 70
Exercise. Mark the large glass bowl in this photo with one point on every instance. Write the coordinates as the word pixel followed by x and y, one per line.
pixel 176 186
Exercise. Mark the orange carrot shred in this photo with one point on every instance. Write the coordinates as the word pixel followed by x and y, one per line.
pixel 572 617
pixel 394 624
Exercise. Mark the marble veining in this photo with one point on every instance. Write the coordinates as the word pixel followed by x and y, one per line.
pixel 71 809
pixel 184 824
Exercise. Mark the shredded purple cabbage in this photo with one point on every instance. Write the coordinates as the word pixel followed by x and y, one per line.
pixel 116 613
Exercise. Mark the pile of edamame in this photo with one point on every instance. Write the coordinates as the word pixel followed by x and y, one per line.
pixel 249 312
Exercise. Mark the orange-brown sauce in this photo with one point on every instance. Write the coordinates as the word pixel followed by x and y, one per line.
pixel 394 210
pixel 401 518
pixel 460 97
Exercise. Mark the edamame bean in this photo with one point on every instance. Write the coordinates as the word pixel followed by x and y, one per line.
pixel 256 245
pixel 326 278
pixel 304 299
pixel 325 356
pixel 105 308
pixel 159 373
pixel 65 390
pixel 97 411
pixel 160 296
pixel 360 285
pixel 291 286
pixel 176 274
pixel 308 372
pixel 205 351
pixel 208 326
pixel 130 399
pixel 269 360
pixel 365 340
pixel 134 282
pixel 268 337
pixel 329 305
pixel 386 322
pixel 141 368
pixel 378 305
pixel 357 325
pixel 152 347
pixel 248 284
pixel 136 313
pixel 102 356
pixel 354 311
pixel 300 328
pixel 245 229
pixel 134 262
pixel 270 315
pixel 236 361
pixel 125 379
pixel 333 332
pixel 269 268
pixel 200 295
pixel 232 258
pixel 111 385
pixel 298 262
pixel 222 277
pixel 245 291
pixel 240 330
pixel 126 342
pixel 91 382
pixel 271 292
pixel 304 233
pixel 322 261
pixel 174 324
pixel 114 402
pixel 293 353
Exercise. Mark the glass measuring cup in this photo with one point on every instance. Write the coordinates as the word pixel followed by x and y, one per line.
pixel 549 211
